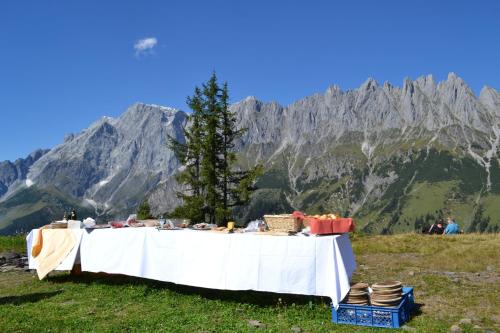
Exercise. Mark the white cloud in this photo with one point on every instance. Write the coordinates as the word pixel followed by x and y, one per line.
pixel 145 45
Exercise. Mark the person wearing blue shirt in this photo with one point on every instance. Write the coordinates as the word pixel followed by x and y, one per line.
pixel 452 227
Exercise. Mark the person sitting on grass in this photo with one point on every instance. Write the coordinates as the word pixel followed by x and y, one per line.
pixel 452 227
pixel 436 228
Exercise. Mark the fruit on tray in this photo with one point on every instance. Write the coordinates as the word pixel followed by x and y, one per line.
pixel 117 224
pixel 325 217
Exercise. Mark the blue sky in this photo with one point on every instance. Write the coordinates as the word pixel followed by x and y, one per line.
pixel 64 64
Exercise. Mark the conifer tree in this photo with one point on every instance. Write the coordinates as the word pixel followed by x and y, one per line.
pixel 189 153
pixel 214 187
pixel 144 211
pixel 211 148
pixel 235 185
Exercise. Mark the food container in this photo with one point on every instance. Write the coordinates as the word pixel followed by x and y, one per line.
pixel 74 224
pixel 342 225
pixel 117 224
pixel 330 226
pixel 181 223
pixel 320 227
pixel 283 223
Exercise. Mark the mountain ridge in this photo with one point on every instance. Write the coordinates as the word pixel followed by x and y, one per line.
pixel 330 148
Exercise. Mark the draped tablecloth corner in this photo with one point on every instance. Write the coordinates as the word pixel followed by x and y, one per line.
pixel 70 260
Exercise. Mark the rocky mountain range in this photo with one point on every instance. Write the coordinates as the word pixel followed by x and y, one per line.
pixel 393 157
pixel 13 174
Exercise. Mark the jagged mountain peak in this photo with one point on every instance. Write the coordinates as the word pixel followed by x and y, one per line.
pixel 491 100
pixel 139 112
pixel 455 87
pixel 250 98
pixel 453 77
pixel 490 97
pixel 333 90
pixel 13 174
pixel 426 78
pixel 388 86
pixel 35 155
pixel 250 101
pixel 369 84
pixel 427 84
pixel 140 106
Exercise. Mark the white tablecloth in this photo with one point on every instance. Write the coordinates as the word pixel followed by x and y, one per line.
pixel 319 266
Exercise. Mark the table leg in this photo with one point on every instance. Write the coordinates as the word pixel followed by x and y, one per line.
pixel 77 270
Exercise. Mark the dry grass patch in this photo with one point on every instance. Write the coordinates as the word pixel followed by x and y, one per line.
pixel 454 276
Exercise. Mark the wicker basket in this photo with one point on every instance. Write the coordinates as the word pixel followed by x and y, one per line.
pixel 284 223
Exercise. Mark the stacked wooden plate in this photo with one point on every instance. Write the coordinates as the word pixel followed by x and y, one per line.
pixel 358 294
pixel 57 225
pixel 387 293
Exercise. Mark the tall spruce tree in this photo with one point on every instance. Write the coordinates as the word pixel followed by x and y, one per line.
pixel 189 153
pixel 214 187
pixel 235 185
pixel 228 135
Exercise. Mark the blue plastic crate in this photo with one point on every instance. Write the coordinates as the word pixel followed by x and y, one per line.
pixel 376 316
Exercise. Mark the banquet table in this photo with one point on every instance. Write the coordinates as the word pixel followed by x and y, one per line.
pixel 320 266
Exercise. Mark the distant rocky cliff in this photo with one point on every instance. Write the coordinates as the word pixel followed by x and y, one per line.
pixel 13 174
pixel 394 157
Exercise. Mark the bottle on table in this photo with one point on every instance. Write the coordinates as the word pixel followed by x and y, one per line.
pixel 73 215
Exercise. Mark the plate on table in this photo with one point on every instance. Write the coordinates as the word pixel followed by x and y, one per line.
pixel 135 224
pixel 150 223
pixel 117 224
pixel 203 226
pixel 171 228
pixel 222 230
pixel 99 226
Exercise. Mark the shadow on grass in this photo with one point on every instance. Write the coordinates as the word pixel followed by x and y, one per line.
pixel 417 310
pixel 151 286
pixel 28 298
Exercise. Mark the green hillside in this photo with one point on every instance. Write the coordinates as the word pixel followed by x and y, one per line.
pixel 429 184
pixel 33 207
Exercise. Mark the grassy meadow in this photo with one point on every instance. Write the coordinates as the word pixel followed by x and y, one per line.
pixel 454 278
pixel 15 243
